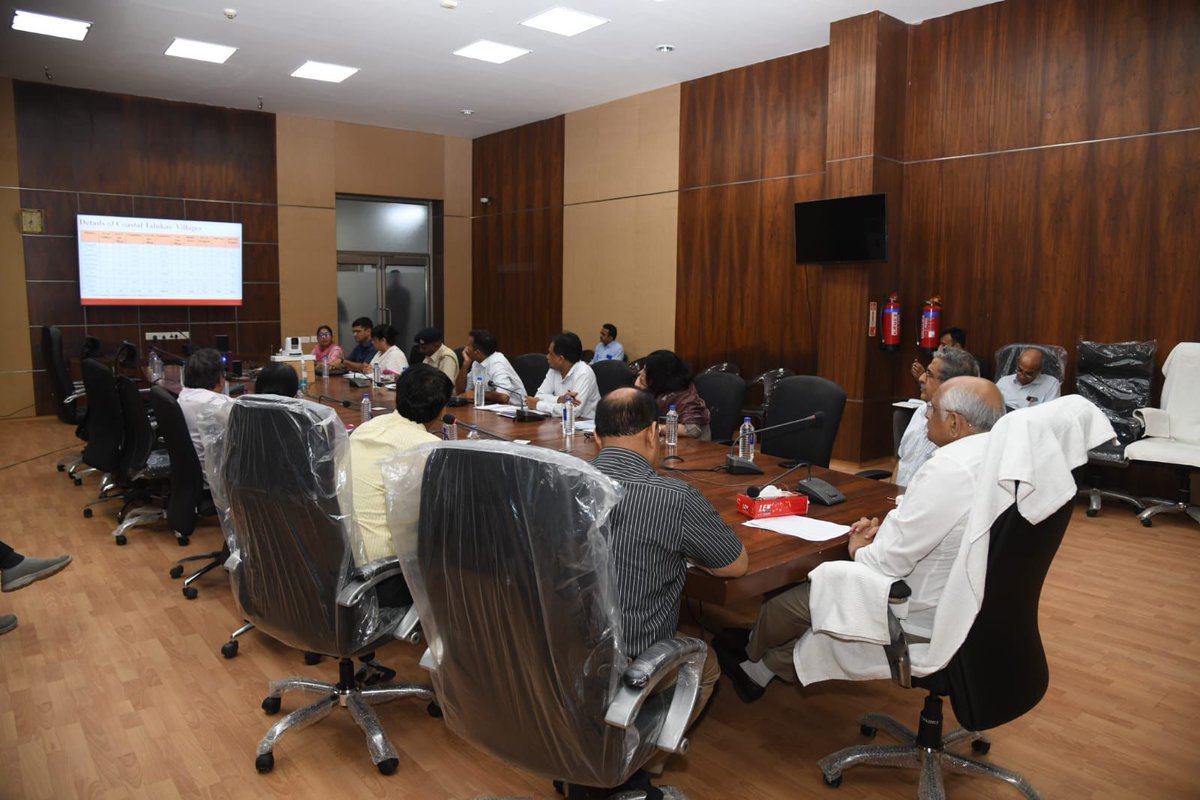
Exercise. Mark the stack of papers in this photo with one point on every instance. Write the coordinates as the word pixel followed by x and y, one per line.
pixel 806 528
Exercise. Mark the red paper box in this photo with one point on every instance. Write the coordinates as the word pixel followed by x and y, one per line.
pixel 772 506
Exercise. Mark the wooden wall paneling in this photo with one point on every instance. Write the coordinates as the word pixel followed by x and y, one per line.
pixel 519 169
pixel 224 314
pixel 257 341
pixel 50 258
pixel 260 263
pixel 108 205
pixel 260 302
pixel 1174 65
pixel 59 210
pixel 164 318
pixel 54 303
pixel 208 211
pixel 1171 274
pixel 260 223
pixel 891 87
pixel 159 207
pixel 853 53
pixel 110 315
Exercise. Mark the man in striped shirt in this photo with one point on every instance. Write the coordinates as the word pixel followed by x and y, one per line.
pixel 658 527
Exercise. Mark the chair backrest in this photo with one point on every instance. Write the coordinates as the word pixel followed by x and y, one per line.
pixel 127 356
pixel 512 577
pixel 724 393
pixel 768 380
pixel 1000 671
pixel 105 423
pixel 612 375
pixel 61 386
pixel 281 467
pixel 531 369
pixel 1054 359
pixel 796 397
pixel 90 348
pixel 139 435
pixel 187 478
pixel 1181 384
pixel 1118 377
pixel 724 366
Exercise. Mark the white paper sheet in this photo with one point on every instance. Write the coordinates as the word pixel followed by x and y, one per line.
pixel 807 528
pixel 584 426
pixel 914 403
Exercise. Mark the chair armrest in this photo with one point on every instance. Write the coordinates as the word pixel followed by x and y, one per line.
pixel 874 474
pixel 897 649
pixel 73 396
pixel 366 577
pixel 899 591
pixel 1157 422
pixel 409 629
pixel 681 657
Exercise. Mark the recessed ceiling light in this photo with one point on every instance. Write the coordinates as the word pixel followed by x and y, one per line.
pixel 200 51
pixel 331 73
pixel 564 21
pixel 492 52
pixel 466 112
pixel 665 48
pixel 50 26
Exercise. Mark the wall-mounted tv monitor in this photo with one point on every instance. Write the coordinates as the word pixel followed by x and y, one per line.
pixel 842 229
pixel 132 261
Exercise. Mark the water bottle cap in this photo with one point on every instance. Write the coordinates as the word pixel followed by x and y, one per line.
pixel 672 408
pixel 745 419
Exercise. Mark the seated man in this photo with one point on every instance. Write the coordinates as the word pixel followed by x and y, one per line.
pixel 360 357
pixel 481 359
pixel 609 348
pixel 429 340
pixel 917 542
pixel 203 393
pixel 568 380
pixel 659 525
pixel 953 337
pixel 915 447
pixel 1028 385
pixel 421 394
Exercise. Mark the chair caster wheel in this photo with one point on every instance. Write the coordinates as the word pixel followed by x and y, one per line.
pixel 561 788
pixel 388 766
pixel 60 467
pixel 87 513
pixel 867 731
pixel 1147 523
pixel 265 763
pixel 981 746
pixel 177 571
pixel 229 649
pixel 77 481
pixel 312 658
pixel 833 783
pixel 182 541
pixel 434 710
pixel 271 705
pixel 1093 512
pixel 120 539
pixel 190 592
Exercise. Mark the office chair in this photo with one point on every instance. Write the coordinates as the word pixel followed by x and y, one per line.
pixel 143 473
pixel 531 369
pixel 106 427
pixel 796 397
pixel 67 395
pixel 277 476
pixel 1054 359
pixel 724 393
pixel 768 381
pixel 1172 432
pixel 1118 378
pixel 722 366
pixel 511 574
pixel 612 375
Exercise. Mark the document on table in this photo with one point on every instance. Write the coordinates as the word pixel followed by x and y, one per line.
pixel 914 403
pixel 807 528
pixel 585 426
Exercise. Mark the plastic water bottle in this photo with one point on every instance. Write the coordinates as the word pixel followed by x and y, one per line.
pixel 568 417
pixel 746 439
pixel 479 401
pixel 672 427
pixel 377 373
pixel 324 369
pixel 449 431
pixel 303 390
pixel 366 409
pixel 156 367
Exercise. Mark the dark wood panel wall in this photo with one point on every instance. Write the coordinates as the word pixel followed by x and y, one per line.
pixel 97 153
pixel 517 236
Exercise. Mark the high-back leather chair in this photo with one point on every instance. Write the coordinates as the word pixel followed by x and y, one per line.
pixel 797 397
pixel 612 375
pixel 68 397
pixel 511 573
pixel 106 426
pixel 724 393
pixel 281 467
pixel 531 369
pixel 143 473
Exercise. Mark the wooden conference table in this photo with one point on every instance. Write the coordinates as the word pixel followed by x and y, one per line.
pixel 775 560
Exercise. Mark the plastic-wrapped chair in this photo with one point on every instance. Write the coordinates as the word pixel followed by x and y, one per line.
pixel 1118 377
pixel 278 474
pixel 723 366
pixel 510 569
pixel 1054 359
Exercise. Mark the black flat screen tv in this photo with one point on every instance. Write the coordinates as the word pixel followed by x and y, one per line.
pixel 842 229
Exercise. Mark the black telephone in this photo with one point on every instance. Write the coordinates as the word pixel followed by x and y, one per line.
pixel 820 492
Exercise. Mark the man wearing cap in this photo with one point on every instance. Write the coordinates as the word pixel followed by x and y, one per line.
pixel 436 353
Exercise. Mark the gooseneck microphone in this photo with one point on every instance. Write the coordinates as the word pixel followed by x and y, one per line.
pixel 324 398
pixel 450 419
pixel 522 414
pixel 744 466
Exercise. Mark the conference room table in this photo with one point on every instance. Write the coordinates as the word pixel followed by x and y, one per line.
pixel 775 560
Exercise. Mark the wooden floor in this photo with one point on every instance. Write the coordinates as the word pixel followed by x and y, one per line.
pixel 113 686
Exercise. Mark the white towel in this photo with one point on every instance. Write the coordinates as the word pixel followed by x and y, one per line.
pixel 850 601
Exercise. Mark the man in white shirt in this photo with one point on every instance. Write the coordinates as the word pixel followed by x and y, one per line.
pixel 203 393
pixel 915 447
pixel 481 359
pixel 1028 385
pixel 568 380
pixel 917 542
pixel 609 349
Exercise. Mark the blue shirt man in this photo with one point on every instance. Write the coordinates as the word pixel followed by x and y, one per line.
pixel 609 349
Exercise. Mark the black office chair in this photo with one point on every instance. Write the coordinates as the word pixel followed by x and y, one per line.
pixel 521 612
pixel 723 366
pixel 724 393
pixel 998 674
pixel 768 381
pixel 290 561
pixel 143 473
pixel 1118 377
pixel 106 427
pixel 796 397
pixel 127 356
pixel 68 396
pixel 612 375
pixel 531 369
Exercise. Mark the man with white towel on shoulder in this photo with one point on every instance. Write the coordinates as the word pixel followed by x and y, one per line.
pixel 917 542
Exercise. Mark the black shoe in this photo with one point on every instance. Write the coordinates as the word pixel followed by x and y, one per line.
pixel 733 638
pixel 731 658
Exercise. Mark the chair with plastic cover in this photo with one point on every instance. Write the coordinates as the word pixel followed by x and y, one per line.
pixel 511 573
pixel 612 375
pixel 279 473
pixel 724 393
pixel 531 369
pixel 722 366
pixel 797 397
pixel 1054 359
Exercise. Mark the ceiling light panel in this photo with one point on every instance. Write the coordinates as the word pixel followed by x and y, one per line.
pixel 564 21
pixel 50 26
pixel 330 73
pixel 492 52
pixel 200 51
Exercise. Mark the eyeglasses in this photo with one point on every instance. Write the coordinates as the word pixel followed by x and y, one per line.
pixel 929 409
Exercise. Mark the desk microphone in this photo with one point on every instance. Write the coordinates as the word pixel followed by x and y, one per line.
pixel 324 398
pixel 450 419
pixel 522 414
pixel 753 491
pixel 744 466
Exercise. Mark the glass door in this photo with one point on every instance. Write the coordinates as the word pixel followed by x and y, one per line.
pixel 391 289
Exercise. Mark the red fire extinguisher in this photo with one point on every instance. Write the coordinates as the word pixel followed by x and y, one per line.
pixel 931 324
pixel 891 323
